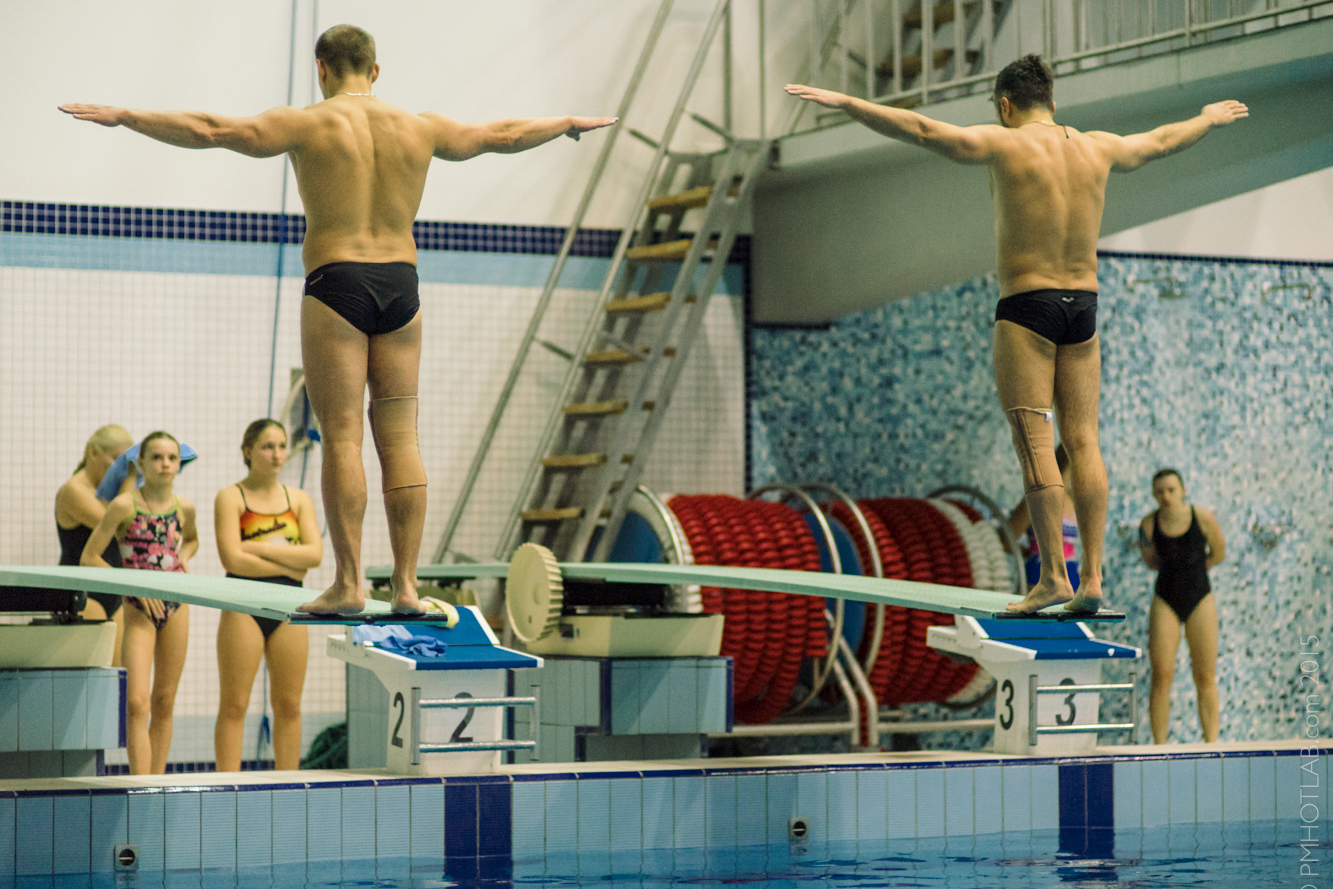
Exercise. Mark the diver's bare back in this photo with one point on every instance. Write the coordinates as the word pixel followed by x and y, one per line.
pixel 1049 187
pixel 361 168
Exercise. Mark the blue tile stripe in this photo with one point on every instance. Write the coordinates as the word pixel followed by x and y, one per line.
pixel 165 223
pixel 713 808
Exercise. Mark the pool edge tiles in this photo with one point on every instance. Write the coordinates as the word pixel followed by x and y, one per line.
pixel 592 811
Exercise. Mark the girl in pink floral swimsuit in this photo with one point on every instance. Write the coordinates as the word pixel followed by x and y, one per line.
pixel 156 531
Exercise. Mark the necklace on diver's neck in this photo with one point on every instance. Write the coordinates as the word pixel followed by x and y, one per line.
pixel 371 95
pixel 1052 124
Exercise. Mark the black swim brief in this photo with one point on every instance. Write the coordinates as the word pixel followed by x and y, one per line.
pixel 1064 317
pixel 374 297
pixel 267 625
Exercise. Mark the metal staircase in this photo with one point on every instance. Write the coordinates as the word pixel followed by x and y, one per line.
pixel 652 304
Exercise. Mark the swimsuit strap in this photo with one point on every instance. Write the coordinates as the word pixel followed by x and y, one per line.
pixel 242 490
pixel 288 493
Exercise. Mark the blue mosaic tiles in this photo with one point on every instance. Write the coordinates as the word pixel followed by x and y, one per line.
pixel 1219 368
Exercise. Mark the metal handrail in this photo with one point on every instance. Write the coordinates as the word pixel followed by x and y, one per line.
pixel 1074 28
pixel 552 280
pixel 1034 690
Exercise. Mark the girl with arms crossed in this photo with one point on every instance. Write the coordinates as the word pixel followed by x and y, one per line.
pixel 265 531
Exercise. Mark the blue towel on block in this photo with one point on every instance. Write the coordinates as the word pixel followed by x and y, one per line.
pixel 398 639
pixel 115 476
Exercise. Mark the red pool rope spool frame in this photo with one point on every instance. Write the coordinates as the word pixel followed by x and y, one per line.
pixel 768 635
pixel 907 670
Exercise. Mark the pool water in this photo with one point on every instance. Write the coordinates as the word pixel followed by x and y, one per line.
pixel 1257 855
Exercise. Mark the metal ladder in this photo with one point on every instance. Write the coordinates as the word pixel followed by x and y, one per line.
pixel 651 307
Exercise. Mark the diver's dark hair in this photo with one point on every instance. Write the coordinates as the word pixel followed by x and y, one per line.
pixel 1163 473
pixel 346 49
pixel 1026 83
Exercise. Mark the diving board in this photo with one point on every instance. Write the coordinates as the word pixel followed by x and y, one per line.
pixel 872 590
pixel 270 600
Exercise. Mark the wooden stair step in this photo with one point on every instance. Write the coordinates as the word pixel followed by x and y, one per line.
pixel 664 252
pixel 651 302
pixel 595 408
pixel 574 461
pixel 943 14
pixel 612 356
pixel 685 200
pixel 551 515
pixel 912 64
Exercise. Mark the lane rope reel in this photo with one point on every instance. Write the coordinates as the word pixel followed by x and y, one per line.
pixel 534 593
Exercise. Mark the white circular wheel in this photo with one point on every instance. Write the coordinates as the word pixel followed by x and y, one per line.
pixel 534 592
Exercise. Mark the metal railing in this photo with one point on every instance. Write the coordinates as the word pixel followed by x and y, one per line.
pixel 915 52
pixel 1034 690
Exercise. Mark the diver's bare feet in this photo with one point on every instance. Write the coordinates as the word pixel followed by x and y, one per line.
pixel 1043 594
pixel 1088 598
pixel 405 599
pixel 337 599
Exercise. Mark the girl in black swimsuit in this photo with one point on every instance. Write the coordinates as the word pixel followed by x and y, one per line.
pixel 78 511
pixel 1181 542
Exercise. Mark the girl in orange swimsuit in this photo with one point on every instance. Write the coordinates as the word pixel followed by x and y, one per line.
pixel 156 530
pixel 265 531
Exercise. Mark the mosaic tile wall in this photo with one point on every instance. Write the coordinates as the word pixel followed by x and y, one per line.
pixel 1221 369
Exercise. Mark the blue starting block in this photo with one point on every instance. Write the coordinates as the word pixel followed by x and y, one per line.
pixel 1048 680
pixel 427 713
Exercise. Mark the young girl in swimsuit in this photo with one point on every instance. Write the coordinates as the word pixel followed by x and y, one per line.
pixel 265 531
pixel 78 511
pixel 156 531
pixel 1181 542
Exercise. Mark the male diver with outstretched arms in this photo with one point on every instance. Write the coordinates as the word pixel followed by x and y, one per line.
pixel 1048 183
pixel 361 168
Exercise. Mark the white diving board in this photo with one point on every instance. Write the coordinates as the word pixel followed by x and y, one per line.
pixel 873 590
pixel 270 600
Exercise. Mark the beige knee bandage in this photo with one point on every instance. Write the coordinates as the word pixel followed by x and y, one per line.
pixel 1034 440
pixel 393 422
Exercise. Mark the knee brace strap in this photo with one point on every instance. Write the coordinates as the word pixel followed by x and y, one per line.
pixel 393 422
pixel 1034 440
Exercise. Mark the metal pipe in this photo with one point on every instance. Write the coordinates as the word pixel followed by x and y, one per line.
pixel 1085 729
pixel 853 707
pixel 1032 710
pixel 870 49
pixel 414 702
pixel 877 566
pixel 927 47
pixel 863 683
pixel 896 14
pixel 842 44
pixel 458 746
pixel 959 39
pixel 726 71
pixel 1101 686
pixel 1134 704
pixel 445 703
pixel 943 725
pixel 821 674
pixel 552 279
pixel 763 74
